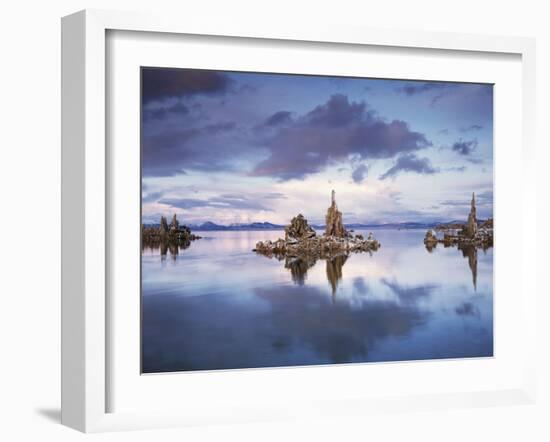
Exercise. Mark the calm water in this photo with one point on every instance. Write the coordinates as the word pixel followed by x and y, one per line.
pixel 217 305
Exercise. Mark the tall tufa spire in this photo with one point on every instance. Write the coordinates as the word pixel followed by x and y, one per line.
pixel 471 225
pixel 333 219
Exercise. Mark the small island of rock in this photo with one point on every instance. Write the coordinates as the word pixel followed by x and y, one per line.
pixel 473 233
pixel 165 234
pixel 301 240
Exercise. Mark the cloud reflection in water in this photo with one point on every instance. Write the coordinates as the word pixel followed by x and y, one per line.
pixel 238 310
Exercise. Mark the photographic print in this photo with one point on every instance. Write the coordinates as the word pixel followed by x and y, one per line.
pixel 298 220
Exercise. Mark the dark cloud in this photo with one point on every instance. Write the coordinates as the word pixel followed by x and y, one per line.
pixel 410 163
pixel 465 147
pixel 160 113
pixel 360 173
pixel 456 169
pixel 333 132
pixel 435 99
pixel 472 128
pixel 278 118
pixel 151 197
pixel 169 152
pixel 485 197
pixel 226 201
pixel 475 99
pixel 158 84
pixel 216 128
pixel 475 160
pixel 421 87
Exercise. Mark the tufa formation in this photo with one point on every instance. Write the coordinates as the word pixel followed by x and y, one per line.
pixel 334 225
pixel 167 236
pixel 470 234
pixel 301 240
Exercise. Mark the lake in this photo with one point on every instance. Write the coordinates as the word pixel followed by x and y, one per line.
pixel 218 305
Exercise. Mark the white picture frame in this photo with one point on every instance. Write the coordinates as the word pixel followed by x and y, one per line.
pixel 85 202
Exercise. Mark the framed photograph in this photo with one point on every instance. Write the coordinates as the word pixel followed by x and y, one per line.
pixel 262 222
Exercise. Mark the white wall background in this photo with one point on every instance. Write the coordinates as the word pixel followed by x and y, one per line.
pixel 30 217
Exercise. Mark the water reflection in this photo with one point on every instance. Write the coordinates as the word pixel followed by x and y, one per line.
pixel 430 246
pixel 470 252
pixel 164 248
pixel 334 271
pixel 339 331
pixel 467 309
pixel 298 267
pixel 219 306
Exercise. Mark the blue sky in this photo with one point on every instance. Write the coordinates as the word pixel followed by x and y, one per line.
pixel 235 147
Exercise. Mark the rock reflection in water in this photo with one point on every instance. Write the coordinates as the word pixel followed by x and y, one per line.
pixel 164 248
pixel 209 310
pixel 430 246
pixel 470 252
pixel 298 268
pixel 334 271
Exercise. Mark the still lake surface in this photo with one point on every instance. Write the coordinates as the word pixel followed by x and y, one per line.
pixel 218 305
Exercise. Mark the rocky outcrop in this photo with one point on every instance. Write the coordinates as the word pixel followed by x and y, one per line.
pixel 167 237
pixel 430 240
pixel 299 229
pixel 470 230
pixel 488 224
pixel 174 225
pixel 431 237
pixel 334 225
pixel 301 240
pixel 469 234
pixel 163 227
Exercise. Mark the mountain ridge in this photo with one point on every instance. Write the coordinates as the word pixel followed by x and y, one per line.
pixel 211 226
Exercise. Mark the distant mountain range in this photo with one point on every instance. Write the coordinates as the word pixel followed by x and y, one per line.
pixel 210 226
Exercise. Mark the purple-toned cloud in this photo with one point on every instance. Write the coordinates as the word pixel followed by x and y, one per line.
pixel 159 84
pixel 278 118
pixel 471 128
pixel 359 173
pixel 415 88
pixel 465 147
pixel 172 151
pixel 235 202
pixel 410 163
pixel 161 113
pixel 333 132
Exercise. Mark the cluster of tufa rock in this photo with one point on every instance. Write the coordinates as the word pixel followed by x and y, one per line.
pixel 165 233
pixel 469 234
pixel 302 240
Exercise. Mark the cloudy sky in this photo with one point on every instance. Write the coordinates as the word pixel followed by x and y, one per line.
pixel 234 147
